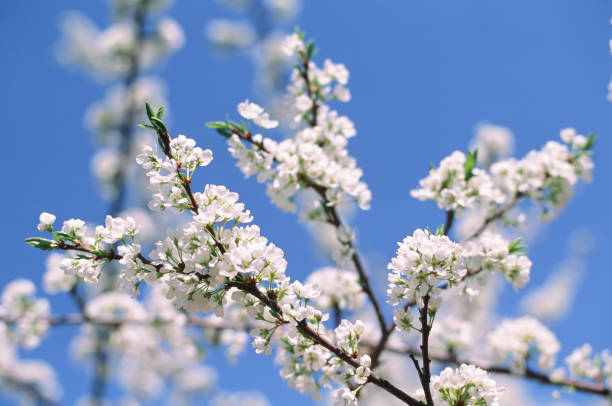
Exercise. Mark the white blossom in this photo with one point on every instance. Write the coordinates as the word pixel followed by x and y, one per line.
pixel 517 339
pixel 468 384
pixel 46 221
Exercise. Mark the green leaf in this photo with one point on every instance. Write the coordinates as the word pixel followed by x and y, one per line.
pixel 150 127
pixel 63 236
pixel 515 248
pixel 216 124
pixel 41 243
pixel 470 163
pixel 590 142
pixel 159 125
pixel 149 111
pixel 160 112
pixel 309 49
pixel 239 126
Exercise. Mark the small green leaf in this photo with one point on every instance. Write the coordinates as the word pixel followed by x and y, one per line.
pixel 149 111
pixel 309 49
pixel 150 127
pixel 159 125
pixel 590 142
pixel 41 243
pixel 63 236
pixel 160 112
pixel 515 248
pixel 470 163
pixel 239 126
pixel 216 124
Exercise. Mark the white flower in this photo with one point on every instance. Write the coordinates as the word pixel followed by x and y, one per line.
pixel 292 44
pixel 344 397
pixel 303 103
pixel 249 110
pixel 422 260
pixel 54 279
pixel 75 226
pixel 469 383
pixel 264 121
pixel 46 221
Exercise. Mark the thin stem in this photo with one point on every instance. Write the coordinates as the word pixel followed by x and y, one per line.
pixel 425 375
pixel 450 216
pixel 497 214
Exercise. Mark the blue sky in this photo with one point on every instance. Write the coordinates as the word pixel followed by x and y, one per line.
pixel 422 75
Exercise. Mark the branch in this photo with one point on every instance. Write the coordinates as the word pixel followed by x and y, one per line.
pixel 79 318
pixel 308 332
pixel 333 218
pixel 425 374
pixel 497 214
pixel 126 129
pixel 530 374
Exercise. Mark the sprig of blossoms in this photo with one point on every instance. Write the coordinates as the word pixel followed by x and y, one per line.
pixel 90 252
pixel 152 344
pixel 316 156
pixel 466 386
pixel 167 174
pixel 545 176
pixel 582 363
pixel 516 340
pixel 30 380
pixel 26 316
pixel 423 260
pixel 107 52
pixel 492 253
pixel 457 185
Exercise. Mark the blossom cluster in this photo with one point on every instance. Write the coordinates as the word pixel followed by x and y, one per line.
pixel 516 340
pixel 339 288
pixel 423 260
pixel 261 41
pixel 582 363
pixel 90 249
pixel 457 185
pixel 30 380
pixel 491 252
pixel 152 343
pixel 426 263
pixel 167 174
pixel 106 117
pixel 545 176
pixel 467 385
pixel 316 156
pixel 25 315
pixel 107 52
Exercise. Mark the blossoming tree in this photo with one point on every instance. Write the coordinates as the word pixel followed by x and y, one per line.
pixel 142 305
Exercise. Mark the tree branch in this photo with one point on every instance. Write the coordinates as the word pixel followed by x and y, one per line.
pixel 530 374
